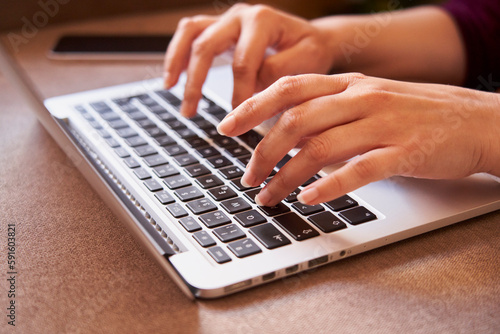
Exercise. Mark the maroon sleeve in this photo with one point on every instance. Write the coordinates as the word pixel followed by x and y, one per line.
pixel 479 24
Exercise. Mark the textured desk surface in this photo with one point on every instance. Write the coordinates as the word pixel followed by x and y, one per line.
pixel 79 270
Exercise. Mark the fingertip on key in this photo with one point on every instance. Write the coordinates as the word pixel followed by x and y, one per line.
pixel 227 125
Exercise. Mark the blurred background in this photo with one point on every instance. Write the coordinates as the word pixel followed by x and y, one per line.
pixel 14 13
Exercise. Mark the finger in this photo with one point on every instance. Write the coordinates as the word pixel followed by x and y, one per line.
pixel 303 121
pixel 212 41
pixel 291 61
pixel 332 146
pixel 283 94
pixel 255 37
pixel 177 54
pixel 369 167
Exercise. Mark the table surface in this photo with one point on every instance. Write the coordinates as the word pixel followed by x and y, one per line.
pixel 79 270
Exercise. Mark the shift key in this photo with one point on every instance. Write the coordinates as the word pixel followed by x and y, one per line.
pixel 296 226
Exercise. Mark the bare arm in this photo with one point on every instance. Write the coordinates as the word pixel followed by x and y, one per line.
pixel 418 44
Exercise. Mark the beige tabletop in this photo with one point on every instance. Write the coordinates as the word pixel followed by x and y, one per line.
pixel 80 271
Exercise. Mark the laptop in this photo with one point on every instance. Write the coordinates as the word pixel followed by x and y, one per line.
pixel 175 183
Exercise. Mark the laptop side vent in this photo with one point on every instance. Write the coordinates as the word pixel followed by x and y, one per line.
pixel 139 208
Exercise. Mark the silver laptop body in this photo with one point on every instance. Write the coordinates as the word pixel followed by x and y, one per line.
pixel 131 144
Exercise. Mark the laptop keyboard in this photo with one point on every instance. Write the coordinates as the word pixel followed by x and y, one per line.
pixel 195 174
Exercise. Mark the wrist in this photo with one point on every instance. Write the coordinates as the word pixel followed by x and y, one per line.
pixel 337 34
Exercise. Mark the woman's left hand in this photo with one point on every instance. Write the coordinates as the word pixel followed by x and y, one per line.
pixel 387 127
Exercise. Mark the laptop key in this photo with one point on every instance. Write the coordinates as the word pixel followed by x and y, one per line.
pixel 155 132
pixel 135 141
pixel 122 152
pixel 293 196
pixel 174 150
pixel 307 210
pixel 250 218
pixel 186 133
pixel 214 219
pixel 269 236
pixel 274 210
pixel 165 171
pixel 137 115
pixel 155 160
pixel 197 170
pixel 176 210
pixel 144 150
pixel 224 141
pixel 235 205
pixel 176 182
pixel 357 215
pixel 311 180
pixel 237 184
pixel 185 160
pixel 327 222
pixel 218 162
pixel 200 206
pixel 244 248
pixel 126 132
pixel 237 151
pixel 153 185
pixel 209 181
pixel 164 197
pixel 112 142
pixel 222 193
pixel 229 233
pixel 206 152
pixel 218 254
pixel 341 203
pixel 231 172
pixel 117 124
pixel 251 138
pixel 165 141
pixel 251 194
pixel 204 239
pixel 146 123
pixel 188 193
pixel 131 163
pixel 298 228
pixel 196 142
pixel 190 224
pixel 141 173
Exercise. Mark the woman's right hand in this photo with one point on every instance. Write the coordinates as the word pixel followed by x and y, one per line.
pixel 299 47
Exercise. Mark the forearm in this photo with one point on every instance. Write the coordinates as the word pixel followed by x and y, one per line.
pixel 419 44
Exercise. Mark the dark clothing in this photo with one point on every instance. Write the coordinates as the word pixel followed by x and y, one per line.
pixel 479 24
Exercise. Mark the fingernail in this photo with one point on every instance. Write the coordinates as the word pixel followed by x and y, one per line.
pixel 247 180
pixel 186 107
pixel 263 197
pixel 307 196
pixel 166 80
pixel 227 125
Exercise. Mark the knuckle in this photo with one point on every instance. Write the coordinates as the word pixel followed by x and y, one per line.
pixel 240 6
pixel 241 67
pixel 288 86
pixel 363 168
pixel 186 24
pixel 356 76
pixel 250 107
pixel 261 12
pixel 201 47
pixel 376 95
pixel 337 183
pixel 318 149
pixel 292 120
